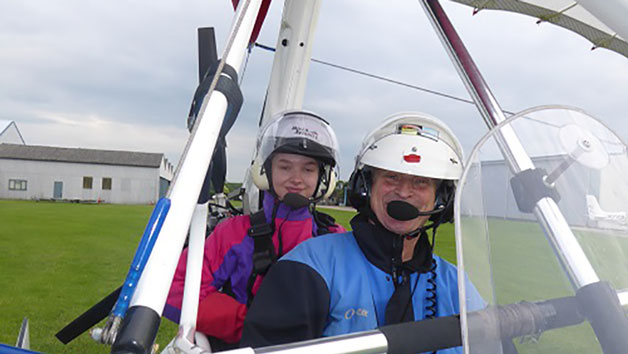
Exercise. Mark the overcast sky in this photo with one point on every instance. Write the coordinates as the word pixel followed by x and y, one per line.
pixel 121 74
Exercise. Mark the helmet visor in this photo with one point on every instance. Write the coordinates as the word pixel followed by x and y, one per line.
pixel 299 133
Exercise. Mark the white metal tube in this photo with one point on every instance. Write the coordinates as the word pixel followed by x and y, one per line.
pixel 155 282
pixel 566 247
pixel 193 271
pixel 293 52
pixel 371 342
pixel 291 65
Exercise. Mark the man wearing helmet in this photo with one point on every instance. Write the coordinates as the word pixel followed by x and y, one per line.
pixel 295 165
pixel 383 272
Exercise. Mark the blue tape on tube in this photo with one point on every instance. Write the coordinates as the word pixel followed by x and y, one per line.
pixel 141 256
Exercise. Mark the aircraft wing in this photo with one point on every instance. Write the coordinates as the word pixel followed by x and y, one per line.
pixel 602 29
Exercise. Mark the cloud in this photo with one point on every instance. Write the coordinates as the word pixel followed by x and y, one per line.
pixel 97 132
pixel 122 75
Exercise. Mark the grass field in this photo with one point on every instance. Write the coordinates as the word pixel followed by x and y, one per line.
pixel 523 267
pixel 58 259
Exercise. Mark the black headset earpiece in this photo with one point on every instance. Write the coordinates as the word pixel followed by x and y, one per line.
pixel 445 200
pixel 359 188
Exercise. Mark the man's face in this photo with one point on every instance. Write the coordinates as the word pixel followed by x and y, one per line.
pixel 293 173
pixel 417 191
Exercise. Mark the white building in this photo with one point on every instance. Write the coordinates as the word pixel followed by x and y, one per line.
pixel 75 174
pixel 9 133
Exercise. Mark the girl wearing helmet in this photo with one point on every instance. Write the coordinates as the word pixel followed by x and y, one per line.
pixel 383 272
pixel 295 165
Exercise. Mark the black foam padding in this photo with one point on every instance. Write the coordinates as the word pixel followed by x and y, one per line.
pixel 295 200
pixel 566 312
pixel 137 332
pixel 423 336
pixel 599 303
pixel 402 211
pixel 207 52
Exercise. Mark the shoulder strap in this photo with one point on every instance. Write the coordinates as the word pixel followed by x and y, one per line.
pixel 323 221
pixel 263 250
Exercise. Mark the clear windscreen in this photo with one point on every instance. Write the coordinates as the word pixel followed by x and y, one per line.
pixel 511 257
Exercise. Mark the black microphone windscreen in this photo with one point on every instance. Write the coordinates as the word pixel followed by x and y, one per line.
pixel 295 200
pixel 402 211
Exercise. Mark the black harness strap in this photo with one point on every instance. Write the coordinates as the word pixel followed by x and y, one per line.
pixel 263 250
pixel 264 254
pixel 323 221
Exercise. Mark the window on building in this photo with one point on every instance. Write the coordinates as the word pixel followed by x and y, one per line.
pixel 106 183
pixel 17 185
pixel 87 182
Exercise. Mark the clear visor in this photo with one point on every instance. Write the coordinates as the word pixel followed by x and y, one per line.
pixel 513 256
pixel 299 133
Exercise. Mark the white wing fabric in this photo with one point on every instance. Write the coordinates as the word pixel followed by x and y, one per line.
pixel 605 30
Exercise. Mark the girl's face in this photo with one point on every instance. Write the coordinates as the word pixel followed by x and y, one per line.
pixel 293 173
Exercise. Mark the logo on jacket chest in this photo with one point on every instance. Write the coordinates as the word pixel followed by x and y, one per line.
pixel 356 312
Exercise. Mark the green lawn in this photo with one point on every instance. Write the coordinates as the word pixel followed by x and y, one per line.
pixel 524 268
pixel 59 259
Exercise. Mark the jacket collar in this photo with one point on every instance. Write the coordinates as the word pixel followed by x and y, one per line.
pixel 383 248
pixel 284 212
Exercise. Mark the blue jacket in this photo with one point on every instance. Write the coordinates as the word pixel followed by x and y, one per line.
pixel 341 284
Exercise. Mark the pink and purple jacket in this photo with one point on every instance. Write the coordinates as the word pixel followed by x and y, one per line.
pixel 227 266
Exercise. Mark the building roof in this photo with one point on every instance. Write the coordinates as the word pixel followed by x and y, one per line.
pixel 6 131
pixel 79 155
pixel 4 124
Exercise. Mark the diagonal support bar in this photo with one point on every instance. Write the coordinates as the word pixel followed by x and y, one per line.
pixel 142 321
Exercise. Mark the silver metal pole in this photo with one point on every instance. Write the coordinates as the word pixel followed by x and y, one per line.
pixel 556 229
pixel 369 342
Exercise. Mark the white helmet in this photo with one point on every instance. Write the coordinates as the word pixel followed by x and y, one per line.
pixel 415 144
pixel 297 132
pixel 412 143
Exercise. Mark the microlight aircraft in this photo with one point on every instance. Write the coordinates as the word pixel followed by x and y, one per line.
pixel 562 146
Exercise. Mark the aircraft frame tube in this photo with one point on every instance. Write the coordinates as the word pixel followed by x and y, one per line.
pixel 156 279
pixel 500 322
pixel 568 250
pixel 291 61
pixel 564 243
pixel 288 77
pixel 369 342
pixel 189 308
pixel 141 256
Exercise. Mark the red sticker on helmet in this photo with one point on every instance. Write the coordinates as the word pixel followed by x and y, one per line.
pixel 412 158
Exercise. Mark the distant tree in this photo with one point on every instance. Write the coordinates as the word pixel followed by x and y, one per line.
pixel 338 196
